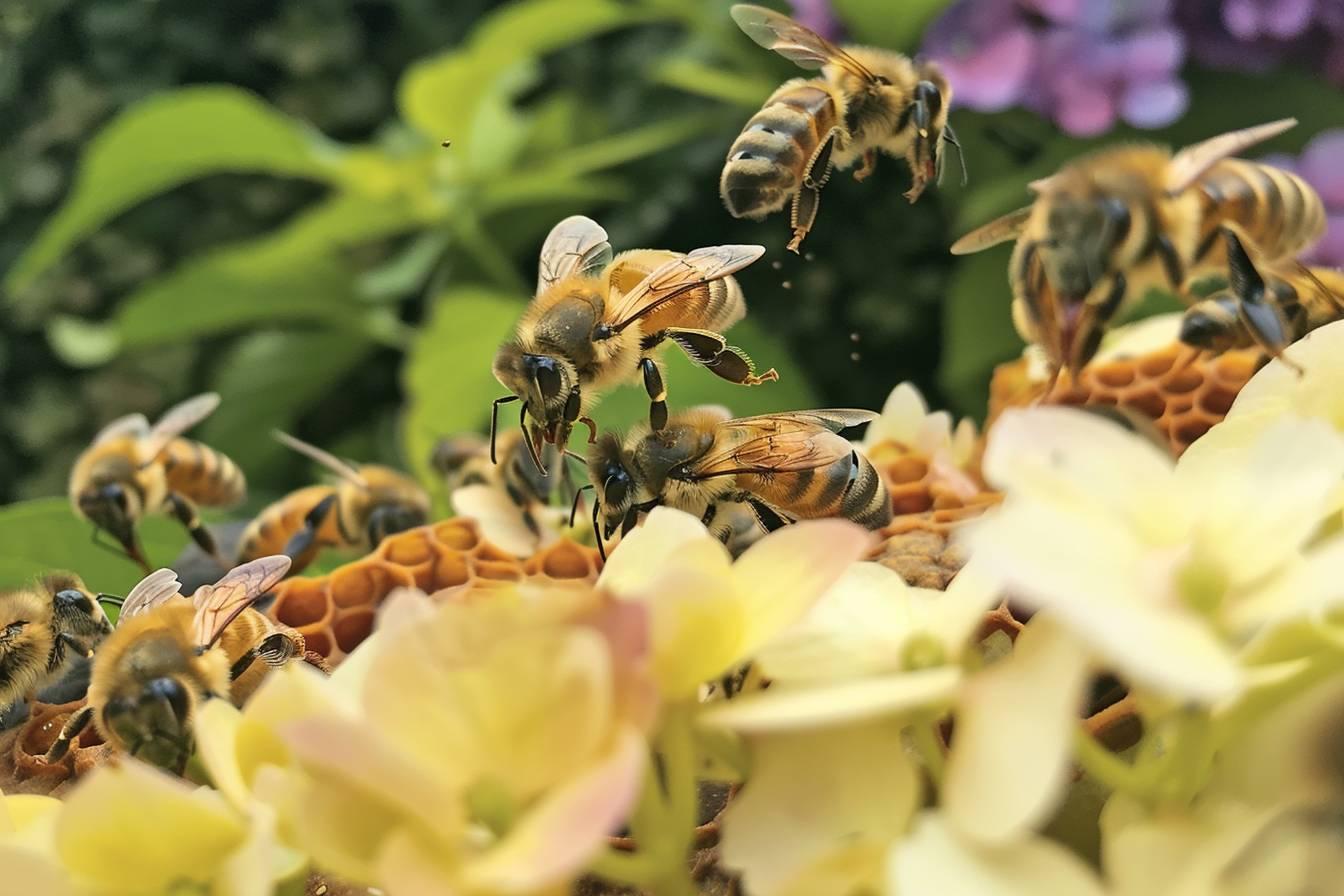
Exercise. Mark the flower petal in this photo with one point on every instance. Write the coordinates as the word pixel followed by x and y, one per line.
pixel 1015 721
pixel 932 859
pixel 814 794
pixel 111 830
pixel 27 871
pixel 902 417
pixel 783 574
pixel 1307 589
pixel 668 538
pixel 1317 391
pixel 216 724
pixel 500 519
pixel 560 834
pixel 782 708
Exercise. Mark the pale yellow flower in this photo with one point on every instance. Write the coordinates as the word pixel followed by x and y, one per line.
pixel 907 421
pixel 491 749
pixel 1159 568
pixel 1278 389
pixel 709 614
pixel 28 860
pixel 502 522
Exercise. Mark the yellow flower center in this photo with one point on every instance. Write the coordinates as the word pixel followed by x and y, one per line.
pixel 923 651
pixel 491 804
pixel 1201 583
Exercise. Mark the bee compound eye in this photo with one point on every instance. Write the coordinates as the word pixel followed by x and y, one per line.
pixel 616 490
pixel 71 599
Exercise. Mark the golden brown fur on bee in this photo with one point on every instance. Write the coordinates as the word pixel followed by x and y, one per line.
pixel 40 627
pixel 784 467
pixel 1111 225
pixel 866 100
pixel 465 460
pixel 358 519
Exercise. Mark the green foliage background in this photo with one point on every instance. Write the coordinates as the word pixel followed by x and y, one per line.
pixel 252 198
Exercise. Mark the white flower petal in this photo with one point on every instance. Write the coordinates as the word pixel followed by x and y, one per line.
pixel 500 519
pixel 956 614
pixel 1142 337
pixel 1009 764
pixel 813 794
pixel 933 860
pixel 1317 392
pixel 1306 589
pixel 783 708
pixel 901 419
pixel 667 539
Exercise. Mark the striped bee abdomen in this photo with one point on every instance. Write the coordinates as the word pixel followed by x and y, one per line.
pixel 766 162
pixel 201 473
pixel 277 523
pixel 849 488
pixel 1277 211
pixel 865 500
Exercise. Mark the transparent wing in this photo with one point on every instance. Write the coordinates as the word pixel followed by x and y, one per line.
pixel 1187 165
pixel 832 419
pixel 152 591
pixel 326 459
pixel 677 278
pixel 1000 230
pixel 763 447
pixel 131 425
pixel 177 420
pixel 577 245
pixel 219 604
pixel 801 46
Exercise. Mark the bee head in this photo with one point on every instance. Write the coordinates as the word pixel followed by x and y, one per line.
pixel 154 722
pixel 612 481
pixel 451 454
pixel 113 507
pixel 1085 226
pixel 542 381
pixel 74 609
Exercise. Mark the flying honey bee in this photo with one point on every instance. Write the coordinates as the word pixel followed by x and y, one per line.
pixel 597 322
pixel 132 469
pixel 40 628
pixel 1108 227
pixel 464 460
pixel 1271 308
pixel 370 503
pixel 167 654
pixel 783 467
pixel 866 100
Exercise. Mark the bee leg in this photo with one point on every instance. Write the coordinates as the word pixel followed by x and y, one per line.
pixel 185 513
pixel 78 646
pixel 867 166
pixel 304 539
pixel 708 517
pixel 712 351
pixel 522 501
pixel 653 384
pixel 275 649
pixel 74 726
pixel 808 197
pixel 766 515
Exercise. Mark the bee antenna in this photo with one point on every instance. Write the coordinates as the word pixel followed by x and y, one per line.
pixel 950 136
pixel 574 455
pixel 110 599
pixel 494 422
pixel 574 510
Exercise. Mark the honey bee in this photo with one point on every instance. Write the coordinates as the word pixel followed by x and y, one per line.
pixel 597 321
pixel 40 628
pixel 464 460
pixel 167 654
pixel 866 100
pixel 132 469
pixel 1108 227
pixel 783 467
pixel 1272 309
pixel 369 504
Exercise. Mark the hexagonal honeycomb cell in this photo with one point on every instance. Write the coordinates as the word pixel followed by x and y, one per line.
pixel 1183 394
pixel 23 766
pixel 449 560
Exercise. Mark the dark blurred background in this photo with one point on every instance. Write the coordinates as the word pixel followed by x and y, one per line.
pixel 251 197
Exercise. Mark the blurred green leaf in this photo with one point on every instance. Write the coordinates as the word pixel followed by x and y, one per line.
pixel 167 140
pixel 407 271
pixel 447 377
pixel 80 343
pixel 267 381
pixel 689 384
pixel 44 534
pixel 977 330
pixel 882 23
pixel 747 91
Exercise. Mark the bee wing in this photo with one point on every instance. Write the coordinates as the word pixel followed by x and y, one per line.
pixel 575 245
pixel 177 420
pixel 832 419
pixel 677 277
pixel 130 425
pixel 219 604
pixel 1187 165
pixel 1000 230
pixel 764 446
pixel 801 46
pixel 152 591
pixel 326 459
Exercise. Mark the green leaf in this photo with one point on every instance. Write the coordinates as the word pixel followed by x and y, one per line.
pixel 267 380
pixel 736 88
pixel 44 534
pixel 167 140
pixel 977 330
pixel 882 23
pixel 689 384
pixel 447 377
pixel 80 343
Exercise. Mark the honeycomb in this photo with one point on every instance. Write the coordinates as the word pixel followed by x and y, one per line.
pixel 1184 397
pixel 450 559
pixel 23 768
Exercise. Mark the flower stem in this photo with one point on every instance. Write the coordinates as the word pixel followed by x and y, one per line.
pixel 1106 767
pixel 930 748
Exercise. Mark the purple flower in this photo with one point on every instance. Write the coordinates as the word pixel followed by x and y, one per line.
pixel 817 15
pixel 1320 166
pixel 1279 19
pixel 986 50
pixel 1255 35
